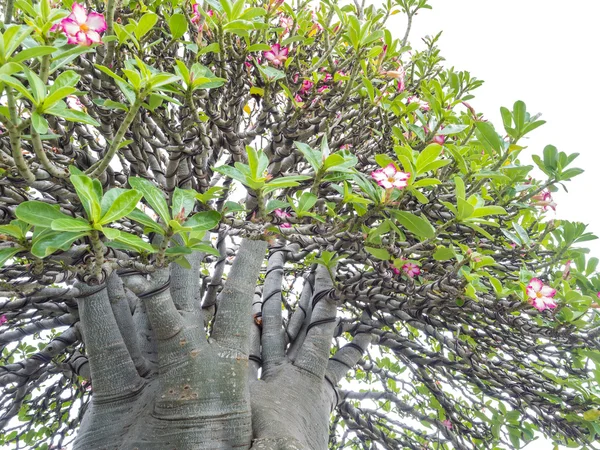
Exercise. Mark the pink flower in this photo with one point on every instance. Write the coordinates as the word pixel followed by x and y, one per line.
pixel 307 85
pixel 285 225
pixel 328 77
pixel 410 269
pixel 298 98
pixel 282 214
pixel 83 28
pixel 196 16
pixel 3 319
pixel 540 295
pixel 277 55
pixel 389 177
pixel 447 424
pixel 323 89
pixel 439 139
pixel 346 147
pixel 74 103
pixel 286 22
pixel 544 199
pixel 423 105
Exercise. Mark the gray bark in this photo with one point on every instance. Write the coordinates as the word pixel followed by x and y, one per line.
pixel 160 382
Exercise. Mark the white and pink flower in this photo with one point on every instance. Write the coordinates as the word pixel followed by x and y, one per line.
pixel 82 28
pixel 389 177
pixel 541 295
pixel 3 319
pixel 447 424
pixel 277 55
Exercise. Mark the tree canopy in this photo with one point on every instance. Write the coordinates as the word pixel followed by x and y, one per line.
pixel 301 186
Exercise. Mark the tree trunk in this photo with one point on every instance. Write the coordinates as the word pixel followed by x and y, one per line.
pixel 159 382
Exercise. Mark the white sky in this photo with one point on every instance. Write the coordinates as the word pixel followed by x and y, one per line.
pixel 544 53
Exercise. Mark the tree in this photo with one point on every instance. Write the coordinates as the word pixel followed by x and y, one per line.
pixel 263 225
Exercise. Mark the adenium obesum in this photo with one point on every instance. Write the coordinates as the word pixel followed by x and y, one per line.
pixel 541 295
pixel 83 28
pixel 277 54
pixel 390 178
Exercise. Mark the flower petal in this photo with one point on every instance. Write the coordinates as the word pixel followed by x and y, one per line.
pixel 70 27
pixel 535 284
pixel 93 37
pixel 79 12
pixel 539 304
pixel 389 170
pixel 547 291
pixel 96 22
pixel 82 38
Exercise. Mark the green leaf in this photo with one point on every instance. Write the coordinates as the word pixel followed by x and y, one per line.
pixel 183 202
pixel 486 134
pixel 443 253
pixel 50 241
pixel 153 195
pixel 142 218
pixel 16 84
pixel 111 233
pixel 488 211
pixel 145 24
pixel 589 415
pixel 61 110
pixel 40 125
pixel 121 206
pixel 379 253
pixel 73 225
pixel 36 85
pixel 427 156
pixel 39 213
pixel 7 253
pixel 56 95
pixel 313 157
pixel 205 248
pixel 178 25
pixel 203 221
pixel 134 242
pixel 419 226
pixel 88 195
pixel 33 52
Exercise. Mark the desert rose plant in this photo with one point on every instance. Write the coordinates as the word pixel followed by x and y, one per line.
pixel 274 224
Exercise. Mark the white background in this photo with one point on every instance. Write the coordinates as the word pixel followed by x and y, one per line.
pixel 544 52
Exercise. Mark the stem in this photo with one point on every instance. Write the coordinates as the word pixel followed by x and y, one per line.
pixel 8 12
pixel 111 7
pixel 98 168
pixel 15 139
pixel 98 250
pixel 38 148
pixel 160 257
pixel 45 68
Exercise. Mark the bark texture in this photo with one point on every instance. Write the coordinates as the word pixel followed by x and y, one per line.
pixel 162 380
